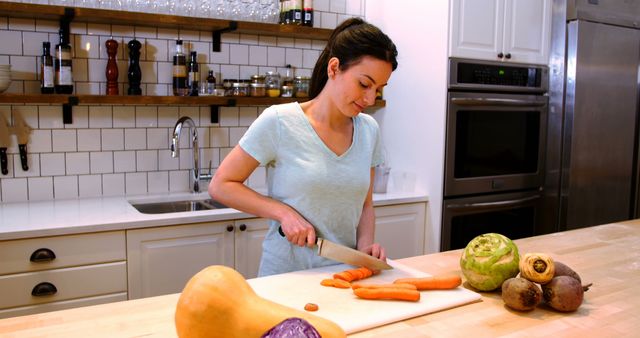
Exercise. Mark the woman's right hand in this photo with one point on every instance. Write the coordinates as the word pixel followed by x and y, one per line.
pixel 297 229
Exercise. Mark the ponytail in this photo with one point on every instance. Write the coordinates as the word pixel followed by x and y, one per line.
pixel 352 40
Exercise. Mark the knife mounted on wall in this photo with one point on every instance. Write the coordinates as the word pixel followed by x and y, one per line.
pixel 4 144
pixel 22 131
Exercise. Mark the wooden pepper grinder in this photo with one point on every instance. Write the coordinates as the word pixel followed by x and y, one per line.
pixel 112 67
pixel 134 74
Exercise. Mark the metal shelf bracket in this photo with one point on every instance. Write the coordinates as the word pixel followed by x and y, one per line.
pixel 217 35
pixel 215 110
pixel 67 109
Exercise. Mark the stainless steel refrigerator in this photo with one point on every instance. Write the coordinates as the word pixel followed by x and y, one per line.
pixel 592 149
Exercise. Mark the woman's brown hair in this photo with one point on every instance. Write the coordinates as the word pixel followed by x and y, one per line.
pixel 350 42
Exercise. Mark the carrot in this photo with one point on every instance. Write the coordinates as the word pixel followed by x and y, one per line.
pixel 311 307
pixel 343 275
pixel 336 283
pixel 433 282
pixel 388 293
pixel 378 286
pixel 353 274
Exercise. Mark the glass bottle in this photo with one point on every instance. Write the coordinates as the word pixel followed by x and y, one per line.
pixel 211 83
pixel 272 81
pixel 64 78
pixel 307 13
pixel 193 74
pixel 179 71
pixel 46 69
pixel 296 12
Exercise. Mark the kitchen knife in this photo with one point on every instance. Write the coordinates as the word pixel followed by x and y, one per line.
pixel 22 130
pixel 343 254
pixel 4 144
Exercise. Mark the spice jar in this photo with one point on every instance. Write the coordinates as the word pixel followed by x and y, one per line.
pixel 258 79
pixel 239 89
pixel 227 84
pixel 257 90
pixel 286 91
pixel 272 82
pixel 301 86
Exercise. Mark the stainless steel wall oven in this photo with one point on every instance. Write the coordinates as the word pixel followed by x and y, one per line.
pixel 494 150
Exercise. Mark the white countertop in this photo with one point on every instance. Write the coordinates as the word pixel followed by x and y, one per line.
pixel 64 217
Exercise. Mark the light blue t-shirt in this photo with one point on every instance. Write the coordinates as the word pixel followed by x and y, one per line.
pixel 326 189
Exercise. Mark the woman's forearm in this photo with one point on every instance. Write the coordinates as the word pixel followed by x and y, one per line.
pixel 238 196
pixel 366 227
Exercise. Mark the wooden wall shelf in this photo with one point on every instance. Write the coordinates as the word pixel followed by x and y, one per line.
pixel 105 16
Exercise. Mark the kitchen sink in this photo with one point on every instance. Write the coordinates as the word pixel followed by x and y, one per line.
pixel 177 206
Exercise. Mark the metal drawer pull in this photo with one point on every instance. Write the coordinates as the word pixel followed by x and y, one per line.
pixel 44 289
pixel 42 255
pixel 243 227
pixel 495 102
pixel 492 204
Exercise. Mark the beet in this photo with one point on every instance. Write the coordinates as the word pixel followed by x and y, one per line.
pixel 563 293
pixel 292 328
pixel 521 294
pixel 562 269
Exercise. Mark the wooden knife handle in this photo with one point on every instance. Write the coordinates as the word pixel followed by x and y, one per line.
pixel 3 161
pixel 23 156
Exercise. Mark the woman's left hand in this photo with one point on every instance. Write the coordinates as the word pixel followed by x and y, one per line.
pixel 376 250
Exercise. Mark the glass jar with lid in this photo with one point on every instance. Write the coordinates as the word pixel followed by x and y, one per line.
pixel 240 89
pixel 258 79
pixel 257 90
pixel 272 82
pixel 301 86
pixel 286 91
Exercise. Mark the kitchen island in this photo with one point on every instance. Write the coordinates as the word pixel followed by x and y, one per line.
pixel 607 256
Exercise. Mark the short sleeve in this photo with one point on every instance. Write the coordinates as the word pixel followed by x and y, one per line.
pixel 377 157
pixel 261 139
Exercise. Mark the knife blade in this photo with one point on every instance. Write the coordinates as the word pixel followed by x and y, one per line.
pixel 22 130
pixel 4 144
pixel 346 255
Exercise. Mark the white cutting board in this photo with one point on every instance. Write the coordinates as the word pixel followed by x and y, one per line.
pixel 341 306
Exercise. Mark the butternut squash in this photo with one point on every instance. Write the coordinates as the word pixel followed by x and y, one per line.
pixel 218 301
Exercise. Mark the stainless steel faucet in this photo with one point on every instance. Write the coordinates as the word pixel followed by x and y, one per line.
pixel 195 177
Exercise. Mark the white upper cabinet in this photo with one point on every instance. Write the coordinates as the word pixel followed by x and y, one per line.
pixel 501 30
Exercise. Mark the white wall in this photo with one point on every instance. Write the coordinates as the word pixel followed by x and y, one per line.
pixel 413 122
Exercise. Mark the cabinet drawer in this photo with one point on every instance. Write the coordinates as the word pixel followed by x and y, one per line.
pixel 72 250
pixel 66 304
pixel 69 283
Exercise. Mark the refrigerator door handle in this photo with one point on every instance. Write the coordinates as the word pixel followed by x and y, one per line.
pixel 495 102
pixel 493 204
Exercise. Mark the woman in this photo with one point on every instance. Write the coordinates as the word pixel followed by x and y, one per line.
pixel 319 156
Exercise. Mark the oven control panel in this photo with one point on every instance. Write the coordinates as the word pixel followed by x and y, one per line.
pixel 497 76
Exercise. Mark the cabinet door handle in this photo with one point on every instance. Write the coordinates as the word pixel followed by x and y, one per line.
pixel 243 227
pixel 230 228
pixel 500 55
pixel 508 56
pixel 42 255
pixel 44 289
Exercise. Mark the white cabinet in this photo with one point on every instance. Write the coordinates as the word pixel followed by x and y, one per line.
pixel 162 259
pixel 53 273
pixel 502 30
pixel 400 229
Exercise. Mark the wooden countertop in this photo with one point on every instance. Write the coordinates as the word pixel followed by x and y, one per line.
pixel 606 255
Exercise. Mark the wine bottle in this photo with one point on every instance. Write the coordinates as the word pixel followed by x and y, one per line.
pixel 193 74
pixel 46 70
pixel 64 77
pixel 179 71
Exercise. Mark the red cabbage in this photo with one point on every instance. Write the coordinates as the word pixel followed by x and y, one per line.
pixel 292 328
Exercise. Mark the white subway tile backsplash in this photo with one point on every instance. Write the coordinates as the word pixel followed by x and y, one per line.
pixel 158 182
pixel 169 34
pixel 81 71
pixel 101 162
pixel 178 180
pixel 158 90
pixel 146 32
pixel 65 187
pixel 268 40
pixel 229 116
pixel 32 43
pixel 89 88
pixel 87 46
pixel 136 183
pixel 77 163
pixel 166 161
pixel 89 185
pixel 235 134
pixel 302 43
pixel 50 117
pixel 20 24
pixel 100 117
pixel 63 140
pixel 219 137
pixel 157 138
pixel 221 57
pixel 329 20
pixel 124 161
pixel 338 6
pixel 247 71
pixel 147 160
pixel 135 139
pixel 156 50
pixel 98 29
pixel 247 115
pixel 230 38
pixel 167 116
pixel 321 5
pixel 40 188
pixel 50 26
pixel 189 35
pixel 146 116
pixel 249 39
pixel 122 31
pixel 89 140
pixel 354 7
pixel 209 156
pixel 149 71
pixel 14 189
pixel 309 58
pixel 52 164
pixel 124 116
pixel 112 139
pixel 96 70
pixel 276 56
pixel 29 114
pixel 113 185
pixel 23 67
pixel 239 54
pixel 293 57
pixel 186 158
pixel 40 141
pixel 11 42
pixel 258 55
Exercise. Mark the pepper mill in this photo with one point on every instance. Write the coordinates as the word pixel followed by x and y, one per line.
pixel 112 67
pixel 134 74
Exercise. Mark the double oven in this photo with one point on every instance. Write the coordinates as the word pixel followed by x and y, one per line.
pixel 494 153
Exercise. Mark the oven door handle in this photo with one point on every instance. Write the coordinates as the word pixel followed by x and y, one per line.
pixel 493 204
pixel 495 102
